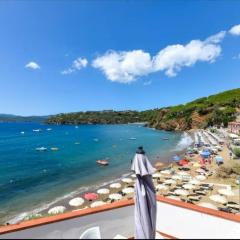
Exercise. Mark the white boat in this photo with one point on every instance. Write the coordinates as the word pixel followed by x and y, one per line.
pixel 22 132
pixel 37 130
pixel 41 149
pixel 49 129
pixel 96 139
pixel 76 126
pixel 132 138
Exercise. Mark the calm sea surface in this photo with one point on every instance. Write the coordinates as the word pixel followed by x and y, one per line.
pixel 29 179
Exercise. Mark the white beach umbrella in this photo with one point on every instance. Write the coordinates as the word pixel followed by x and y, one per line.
pixel 207 205
pixel 97 204
pixel 181 192
pixel 128 190
pixel 56 210
pixel 174 197
pixel 218 198
pixel 103 191
pixel 127 180
pixel 200 177
pixel 226 192
pixel 157 175
pixel 194 182
pixel 133 176
pixel 115 196
pixel 183 174
pixel 177 177
pixel 188 186
pixel 115 185
pixel 76 202
pixel 170 181
pixel 166 172
pixel 162 187
pixel 200 170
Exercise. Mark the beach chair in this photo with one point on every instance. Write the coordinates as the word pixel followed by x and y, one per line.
pixel 91 233
pixel 118 236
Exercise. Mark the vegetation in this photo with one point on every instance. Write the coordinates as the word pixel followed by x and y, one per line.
pixel 14 118
pixel 228 171
pixel 215 110
pixel 236 151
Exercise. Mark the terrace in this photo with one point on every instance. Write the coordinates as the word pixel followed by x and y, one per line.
pixel 175 219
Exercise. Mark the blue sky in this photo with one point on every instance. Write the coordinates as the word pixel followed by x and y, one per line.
pixel 64 56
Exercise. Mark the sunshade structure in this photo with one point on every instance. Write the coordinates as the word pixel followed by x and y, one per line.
pixel 90 196
pixel 219 159
pixel 170 181
pixel 157 175
pixel 207 205
pixel 162 187
pixel 133 175
pixel 183 174
pixel 115 185
pixel 183 162
pixel 218 198
pixel 76 202
pixel 56 210
pixel 181 192
pixel 188 186
pixel 127 180
pixel 174 197
pixel 103 191
pixel 145 197
pixel 176 158
pixel 200 177
pixel 115 196
pixel 177 177
pixel 128 190
pixel 205 154
pixel 97 204
pixel 166 172
pixel 200 170
pixel 226 192
pixel 194 182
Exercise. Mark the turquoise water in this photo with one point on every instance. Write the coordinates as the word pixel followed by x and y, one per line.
pixel 29 179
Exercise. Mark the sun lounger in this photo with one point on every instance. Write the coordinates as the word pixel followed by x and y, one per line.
pixel 118 236
pixel 91 233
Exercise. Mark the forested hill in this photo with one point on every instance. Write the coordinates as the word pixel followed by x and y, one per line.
pixel 15 118
pixel 216 109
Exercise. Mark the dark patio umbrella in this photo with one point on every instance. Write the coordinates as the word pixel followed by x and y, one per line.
pixel 145 198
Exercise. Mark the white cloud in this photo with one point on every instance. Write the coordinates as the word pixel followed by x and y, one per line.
pixel 127 66
pixel 77 64
pixel 147 83
pixel 32 65
pixel 235 30
pixel 237 56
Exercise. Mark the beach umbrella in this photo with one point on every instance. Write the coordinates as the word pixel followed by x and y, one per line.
pixel 170 181
pixel 145 197
pixel 115 185
pixel 177 177
pixel 194 182
pixel 188 186
pixel 218 199
pixel 128 190
pixel 157 175
pixel 207 205
pixel 205 154
pixel 133 176
pixel 183 162
pixel 90 196
pixel 219 159
pixel 226 192
pixel 76 202
pixel 158 165
pixel 162 187
pixel 176 158
pixel 115 196
pixel 200 177
pixel 127 180
pixel 166 172
pixel 200 170
pixel 196 165
pixel 183 174
pixel 174 197
pixel 97 204
pixel 103 191
pixel 181 192
pixel 56 210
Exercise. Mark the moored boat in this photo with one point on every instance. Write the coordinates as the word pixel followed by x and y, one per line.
pixel 102 162
pixel 41 149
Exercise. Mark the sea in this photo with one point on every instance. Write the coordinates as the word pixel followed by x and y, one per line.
pixel 32 180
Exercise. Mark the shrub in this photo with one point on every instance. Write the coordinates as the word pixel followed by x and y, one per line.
pixel 236 151
pixel 224 172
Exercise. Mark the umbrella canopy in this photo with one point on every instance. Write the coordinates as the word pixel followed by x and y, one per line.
pixel 177 177
pixel 181 192
pixel 218 198
pixel 196 165
pixel 200 170
pixel 127 180
pixel 174 197
pixel 115 196
pixel 226 192
pixel 115 185
pixel 90 196
pixel 183 162
pixel 162 187
pixel 56 210
pixel 133 176
pixel 128 190
pixel 183 174
pixel 166 172
pixel 170 181
pixel 157 175
pixel 97 204
pixel 219 159
pixel 205 154
pixel 194 182
pixel 207 205
pixel 103 191
pixel 176 158
pixel 76 202
pixel 188 186
pixel 145 198
pixel 200 177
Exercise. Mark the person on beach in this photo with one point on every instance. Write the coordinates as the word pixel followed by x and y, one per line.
pixel 145 197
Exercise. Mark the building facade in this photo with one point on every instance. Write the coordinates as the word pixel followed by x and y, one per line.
pixel 234 127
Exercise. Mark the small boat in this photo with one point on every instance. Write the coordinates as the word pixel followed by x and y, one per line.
pixel 22 132
pixel 41 149
pixel 96 139
pixel 37 130
pixel 102 162
pixel 132 138
pixel 49 129
pixel 77 143
pixel 54 149
pixel 76 126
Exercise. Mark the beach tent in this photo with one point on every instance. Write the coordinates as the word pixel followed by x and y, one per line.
pixel 183 162
pixel 205 154
pixel 176 158
pixel 145 197
pixel 219 159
